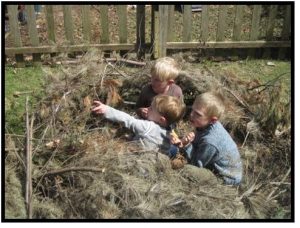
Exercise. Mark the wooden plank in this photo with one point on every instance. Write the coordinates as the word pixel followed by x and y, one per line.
pixel 50 23
pixel 187 23
pixel 171 23
pixel 163 28
pixel 238 22
pixel 86 23
pixel 285 34
pixel 270 28
pixel 104 38
pixel 255 23
pixel 68 48
pixel 221 22
pixel 122 14
pixel 227 44
pixel 15 32
pixel 68 23
pixel 33 33
pixel 140 31
pixel 204 24
pixel 154 32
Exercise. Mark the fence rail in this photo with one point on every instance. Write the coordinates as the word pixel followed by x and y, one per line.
pixel 215 27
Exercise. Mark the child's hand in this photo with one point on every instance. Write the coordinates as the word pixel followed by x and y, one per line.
pixel 99 108
pixel 188 138
pixel 144 112
pixel 174 139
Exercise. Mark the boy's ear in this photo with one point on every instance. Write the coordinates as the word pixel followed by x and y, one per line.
pixel 214 119
pixel 163 120
pixel 171 81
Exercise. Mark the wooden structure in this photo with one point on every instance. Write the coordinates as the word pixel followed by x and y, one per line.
pixel 268 27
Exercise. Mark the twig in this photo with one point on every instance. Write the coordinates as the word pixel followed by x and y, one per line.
pixel 269 82
pixel 60 171
pixel 28 162
pixel 245 139
pixel 131 62
pixel 282 181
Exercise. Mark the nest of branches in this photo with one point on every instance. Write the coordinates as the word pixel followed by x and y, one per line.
pixel 84 167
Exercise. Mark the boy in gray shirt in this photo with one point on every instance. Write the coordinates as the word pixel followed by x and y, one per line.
pixel 154 132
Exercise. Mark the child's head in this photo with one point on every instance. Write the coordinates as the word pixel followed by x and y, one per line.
pixel 207 108
pixel 163 74
pixel 166 110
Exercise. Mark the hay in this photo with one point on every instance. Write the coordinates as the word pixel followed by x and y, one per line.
pixel 122 180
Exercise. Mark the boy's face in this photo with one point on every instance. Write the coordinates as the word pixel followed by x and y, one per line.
pixel 158 86
pixel 198 117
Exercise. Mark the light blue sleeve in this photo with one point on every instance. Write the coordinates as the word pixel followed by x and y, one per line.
pixel 139 127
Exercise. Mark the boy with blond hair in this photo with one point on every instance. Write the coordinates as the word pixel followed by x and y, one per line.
pixel 211 147
pixel 163 75
pixel 154 132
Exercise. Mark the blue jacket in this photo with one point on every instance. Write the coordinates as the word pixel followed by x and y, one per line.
pixel 214 149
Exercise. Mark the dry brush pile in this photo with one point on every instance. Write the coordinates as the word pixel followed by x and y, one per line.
pixel 84 167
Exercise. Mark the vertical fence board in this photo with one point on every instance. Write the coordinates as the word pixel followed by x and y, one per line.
pixel 238 22
pixel 122 13
pixel 104 38
pixel 204 24
pixel 33 33
pixel 270 28
pixel 221 22
pixel 68 23
pixel 285 30
pixel 155 32
pixel 86 23
pixel 140 31
pixel 187 23
pixel 50 23
pixel 163 28
pixel 254 30
pixel 15 31
pixel 171 23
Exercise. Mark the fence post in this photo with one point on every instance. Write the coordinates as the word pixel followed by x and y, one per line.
pixel 270 29
pixel 285 31
pixel 221 26
pixel 254 32
pixel 68 23
pixel 187 23
pixel 204 24
pixel 33 34
pixel 86 23
pixel 163 30
pixel 122 13
pixel 15 32
pixel 171 23
pixel 140 31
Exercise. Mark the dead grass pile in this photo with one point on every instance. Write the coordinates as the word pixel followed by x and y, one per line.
pixel 83 169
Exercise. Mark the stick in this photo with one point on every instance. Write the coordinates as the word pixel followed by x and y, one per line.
pixel 28 163
pixel 282 181
pixel 60 171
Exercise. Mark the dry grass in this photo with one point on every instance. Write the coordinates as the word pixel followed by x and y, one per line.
pixel 117 179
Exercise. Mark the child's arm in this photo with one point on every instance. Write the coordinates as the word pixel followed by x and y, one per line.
pixel 140 127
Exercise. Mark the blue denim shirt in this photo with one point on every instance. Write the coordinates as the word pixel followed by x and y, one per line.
pixel 214 149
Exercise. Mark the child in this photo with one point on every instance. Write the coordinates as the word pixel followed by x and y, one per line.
pixel 212 147
pixel 163 74
pixel 154 132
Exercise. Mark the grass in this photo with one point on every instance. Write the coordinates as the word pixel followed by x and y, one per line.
pixel 28 79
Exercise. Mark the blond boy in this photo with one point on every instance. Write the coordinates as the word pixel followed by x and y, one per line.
pixel 163 75
pixel 154 132
pixel 211 146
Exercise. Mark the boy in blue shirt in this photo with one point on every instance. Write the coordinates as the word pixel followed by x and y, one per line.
pixel 211 146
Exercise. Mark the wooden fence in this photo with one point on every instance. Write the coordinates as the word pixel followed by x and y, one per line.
pixel 215 27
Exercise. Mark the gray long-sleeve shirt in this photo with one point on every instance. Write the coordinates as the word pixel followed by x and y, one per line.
pixel 153 136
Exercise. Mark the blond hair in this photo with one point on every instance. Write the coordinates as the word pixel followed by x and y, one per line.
pixel 165 69
pixel 212 102
pixel 172 108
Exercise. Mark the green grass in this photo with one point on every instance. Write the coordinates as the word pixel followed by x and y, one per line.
pixel 20 80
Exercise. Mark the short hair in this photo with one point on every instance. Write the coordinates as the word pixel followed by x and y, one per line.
pixel 213 102
pixel 172 108
pixel 165 68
